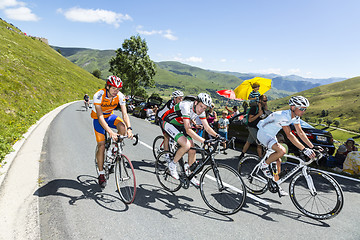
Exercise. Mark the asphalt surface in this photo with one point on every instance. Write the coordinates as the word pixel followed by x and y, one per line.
pixel 51 192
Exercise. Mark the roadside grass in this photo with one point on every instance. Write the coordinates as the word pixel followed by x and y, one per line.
pixel 34 79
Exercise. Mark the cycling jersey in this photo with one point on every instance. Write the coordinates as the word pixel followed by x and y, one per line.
pixel 270 126
pixel 167 106
pixel 276 120
pixel 173 119
pixel 182 110
pixel 107 105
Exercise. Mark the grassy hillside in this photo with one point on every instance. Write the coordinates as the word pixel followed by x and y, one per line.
pixel 341 100
pixel 34 79
pixel 89 59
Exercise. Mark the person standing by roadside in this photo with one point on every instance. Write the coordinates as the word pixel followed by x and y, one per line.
pixel 256 113
pixel 223 125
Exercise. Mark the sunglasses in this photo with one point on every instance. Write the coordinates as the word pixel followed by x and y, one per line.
pixel 302 109
pixel 264 100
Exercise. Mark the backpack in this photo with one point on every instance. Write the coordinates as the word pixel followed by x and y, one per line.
pixel 246 118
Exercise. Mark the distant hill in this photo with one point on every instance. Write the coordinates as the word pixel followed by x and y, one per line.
pixel 34 79
pixel 91 59
pixel 339 101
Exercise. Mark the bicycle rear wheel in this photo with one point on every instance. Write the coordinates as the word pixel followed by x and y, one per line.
pixel 325 203
pixel 222 189
pixel 253 184
pixel 125 179
pixel 163 173
pixel 158 145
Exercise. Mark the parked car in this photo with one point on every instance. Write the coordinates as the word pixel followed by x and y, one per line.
pixel 140 110
pixel 318 137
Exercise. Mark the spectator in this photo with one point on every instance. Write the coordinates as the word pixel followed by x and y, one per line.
pixel 232 112
pixel 223 125
pixel 254 95
pixel 343 151
pixel 211 116
pixel 256 113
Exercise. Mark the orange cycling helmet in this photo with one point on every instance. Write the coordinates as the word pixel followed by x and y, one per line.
pixel 114 81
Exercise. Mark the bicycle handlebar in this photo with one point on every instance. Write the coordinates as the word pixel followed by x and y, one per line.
pixel 121 137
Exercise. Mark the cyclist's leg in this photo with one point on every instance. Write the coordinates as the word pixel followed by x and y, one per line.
pixel 116 122
pixel 271 143
pixel 166 136
pixel 185 145
pixel 166 141
pixel 191 153
pixel 100 139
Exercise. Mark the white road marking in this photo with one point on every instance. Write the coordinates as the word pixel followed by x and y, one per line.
pixel 232 187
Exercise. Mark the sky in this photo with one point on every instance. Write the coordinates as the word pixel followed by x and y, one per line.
pixel 308 38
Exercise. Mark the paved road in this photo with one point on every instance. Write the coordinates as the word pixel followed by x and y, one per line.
pixel 72 206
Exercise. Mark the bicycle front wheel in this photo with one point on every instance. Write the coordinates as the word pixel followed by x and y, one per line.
pixel 163 173
pixel 254 183
pixel 327 200
pixel 222 189
pixel 158 145
pixel 125 179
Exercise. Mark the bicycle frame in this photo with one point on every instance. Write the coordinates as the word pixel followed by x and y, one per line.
pixel 209 157
pixel 301 165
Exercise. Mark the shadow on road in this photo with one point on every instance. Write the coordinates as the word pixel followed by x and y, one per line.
pixel 169 204
pixel 89 189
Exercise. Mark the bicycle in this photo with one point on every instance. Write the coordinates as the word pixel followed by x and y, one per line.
pixel 221 186
pixel 313 192
pixel 86 103
pixel 158 145
pixel 124 170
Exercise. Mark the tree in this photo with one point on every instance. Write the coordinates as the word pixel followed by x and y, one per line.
pixel 97 73
pixel 320 120
pixel 328 122
pixel 134 66
pixel 336 123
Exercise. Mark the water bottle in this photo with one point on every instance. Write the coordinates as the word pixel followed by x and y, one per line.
pixel 186 168
pixel 194 165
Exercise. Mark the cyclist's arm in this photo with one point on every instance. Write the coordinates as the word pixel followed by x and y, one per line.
pixel 126 119
pixel 303 136
pixel 103 123
pixel 190 132
pixel 292 137
pixel 208 129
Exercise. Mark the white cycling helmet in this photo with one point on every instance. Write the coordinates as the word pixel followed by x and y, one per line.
pixel 205 99
pixel 299 101
pixel 177 93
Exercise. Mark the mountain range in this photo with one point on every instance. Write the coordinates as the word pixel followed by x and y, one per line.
pixel 91 59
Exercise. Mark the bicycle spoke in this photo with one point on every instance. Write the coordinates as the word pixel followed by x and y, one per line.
pixel 230 197
pixel 125 179
pixel 327 200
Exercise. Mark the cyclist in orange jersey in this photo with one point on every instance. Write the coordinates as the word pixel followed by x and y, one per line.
pixel 105 101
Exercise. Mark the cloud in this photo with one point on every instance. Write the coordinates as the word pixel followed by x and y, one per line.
pixel 168 34
pixel 223 60
pixel 10 3
pixel 17 11
pixel 270 70
pixel 190 59
pixel 76 14
pixel 21 14
pixel 294 71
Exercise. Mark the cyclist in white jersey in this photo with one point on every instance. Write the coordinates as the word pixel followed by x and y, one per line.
pixel 177 123
pixel 177 96
pixel 270 126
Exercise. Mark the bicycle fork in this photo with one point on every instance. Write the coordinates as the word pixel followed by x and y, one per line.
pixel 309 181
